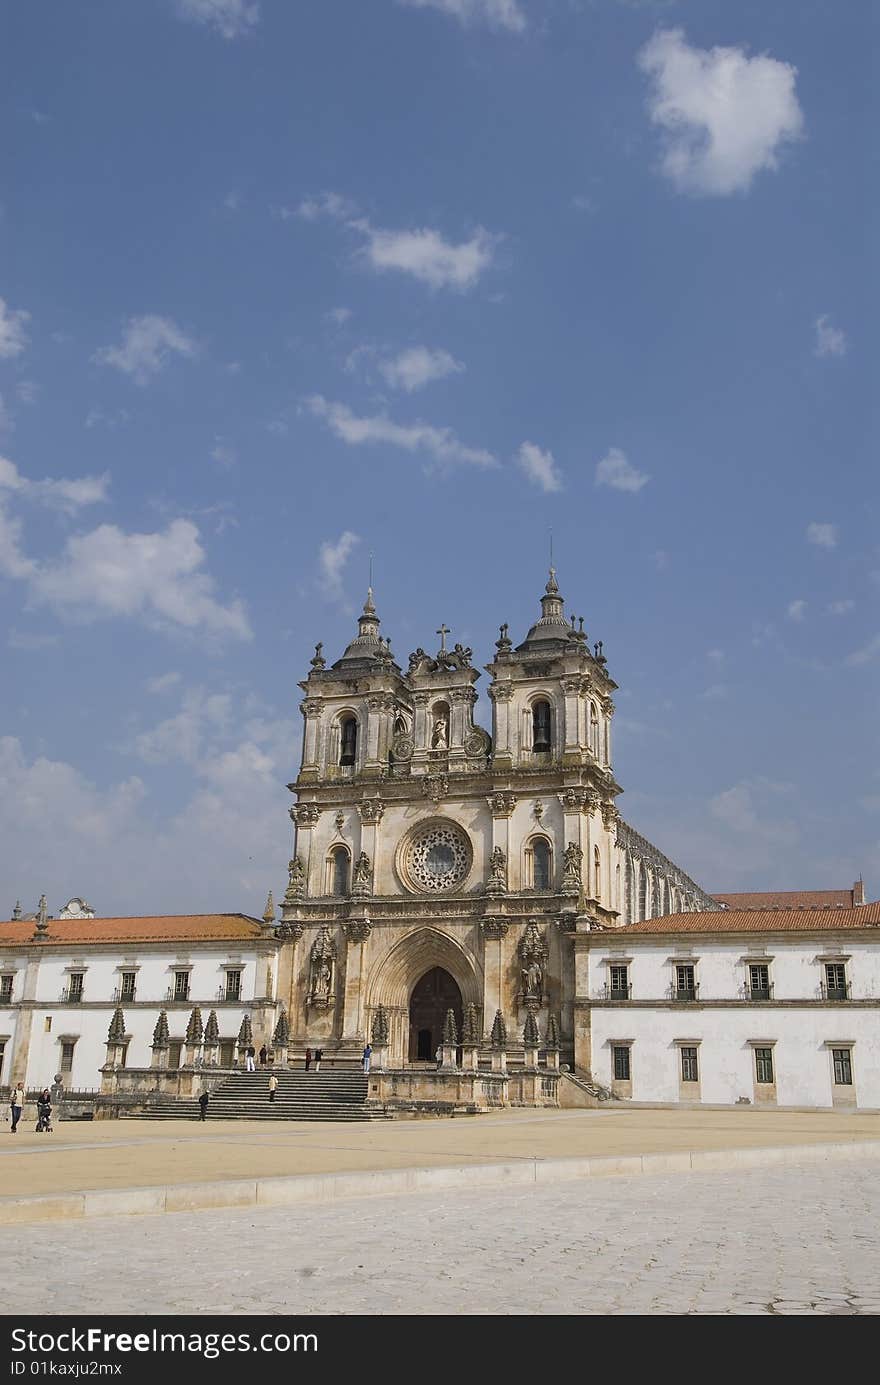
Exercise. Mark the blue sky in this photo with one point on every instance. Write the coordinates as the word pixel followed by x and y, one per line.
pixel 285 284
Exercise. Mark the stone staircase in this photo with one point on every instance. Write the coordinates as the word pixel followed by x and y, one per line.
pixel 337 1095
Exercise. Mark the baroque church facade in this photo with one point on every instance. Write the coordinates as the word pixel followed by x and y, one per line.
pixel 437 866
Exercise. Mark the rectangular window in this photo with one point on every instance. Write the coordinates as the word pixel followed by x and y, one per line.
pixel 835 980
pixel 689 1070
pixel 75 986
pixel 66 1058
pixel 127 985
pixel 842 1066
pixel 764 1064
pixel 233 985
pixel 5 988
pixel 47 1024
pixel 759 981
pixel 181 985
pixel 685 985
pixel 619 981
pixel 621 1062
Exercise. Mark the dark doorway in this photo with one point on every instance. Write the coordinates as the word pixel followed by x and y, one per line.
pixel 436 993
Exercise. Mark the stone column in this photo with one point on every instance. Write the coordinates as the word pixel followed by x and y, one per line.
pixel 501 806
pixel 305 816
pixel 494 930
pixel 571 687
pixel 501 694
pixel 357 931
pixel 370 812
pixel 372 759
pixel 583 1051
pixel 311 708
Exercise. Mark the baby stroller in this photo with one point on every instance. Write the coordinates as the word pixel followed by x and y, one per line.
pixel 44 1115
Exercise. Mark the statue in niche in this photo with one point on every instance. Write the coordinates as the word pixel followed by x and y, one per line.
pixel 498 866
pixel 440 734
pixel 363 869
pixel 532 979
pixel 322 979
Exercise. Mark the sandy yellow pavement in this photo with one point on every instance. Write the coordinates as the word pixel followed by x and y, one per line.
pixel 139 1154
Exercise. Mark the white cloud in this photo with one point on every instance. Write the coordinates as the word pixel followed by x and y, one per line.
pixel 67 495
pixel 725 116
pixel 840 608
pixel 13 338
pixel 738 809
pixel 27 391
pixel 158 577
pixel 117 419
pixel 427 256
pixel 230 18
pixel 830 341
pixel 439 443
pixel 224 455
pixel 163 682
pixel 339 316
pixel 182 738
pixel 417 367
pixel 498 14
pixel 332 558
pixel 146 344
pixel 539 466
pixel 867 654
pixel 323 204
pixel 823 535
pixel 26 639
pixel 615 471
pixel 796 610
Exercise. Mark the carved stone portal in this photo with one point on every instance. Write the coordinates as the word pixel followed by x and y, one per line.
pixel 533 959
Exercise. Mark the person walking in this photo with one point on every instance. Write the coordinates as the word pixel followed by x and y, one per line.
pixel 263 1056
pixel 203 1105
pixel 273 1083
pixel 16 1101
pixel 308 1059
pixel 319 1054
pixel 249 1065
pixel 366 1056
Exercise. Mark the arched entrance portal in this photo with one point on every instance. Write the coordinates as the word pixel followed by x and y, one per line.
pixel 436 993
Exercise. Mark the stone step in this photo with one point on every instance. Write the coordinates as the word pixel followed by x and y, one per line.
pixel 299 1096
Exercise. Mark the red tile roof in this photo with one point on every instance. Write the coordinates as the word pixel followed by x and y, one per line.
pixel 152 928
pixel 759 921
pixel 789 899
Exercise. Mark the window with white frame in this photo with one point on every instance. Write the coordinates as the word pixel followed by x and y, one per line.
pixel 764 1065
pixel 618 981
pixel 233 985
pixel 689 1070
pixel 6 988
pixel 759 980
pixel 836 987
pixel 843 1067
pixel 127 985
pixel 181 985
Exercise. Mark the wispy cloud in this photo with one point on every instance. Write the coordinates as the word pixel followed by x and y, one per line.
pixel 224 454
pixel 427 256
pixel 620 475
pixel 830 341
pixel 439 443
pixel 62 494
pixel 822 535
pixel 27 391
pixel 498 14
pixel 163 682
pixel 339 316
pixel 229 18
pixel 146 345
pixel 868 652
pixel 13 336
pixel 331 204
pixel 796 610
pixel 417 366
pixel 540 467
pixel 841 608
pixel 332 558
pixel 725 116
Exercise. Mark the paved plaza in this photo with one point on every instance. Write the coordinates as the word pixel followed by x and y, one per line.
pixel 803 1239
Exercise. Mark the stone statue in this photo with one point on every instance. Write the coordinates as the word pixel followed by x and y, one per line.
pixel 532 979
pixel 363 869
pixel 571 868
pixel 322 978
pixel 498 866
pixel 439 734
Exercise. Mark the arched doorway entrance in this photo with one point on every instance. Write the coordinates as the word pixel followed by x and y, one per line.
pixel 432 996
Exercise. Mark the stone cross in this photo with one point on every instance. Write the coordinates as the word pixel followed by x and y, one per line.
pixel 443 632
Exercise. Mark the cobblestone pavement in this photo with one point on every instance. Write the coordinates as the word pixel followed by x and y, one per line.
pixel 804 1239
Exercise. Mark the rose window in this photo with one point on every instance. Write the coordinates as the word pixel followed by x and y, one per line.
pixel 439 857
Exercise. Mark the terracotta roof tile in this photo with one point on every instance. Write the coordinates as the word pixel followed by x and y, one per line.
pixel 151 928
pixel 760 921
pixel 789 899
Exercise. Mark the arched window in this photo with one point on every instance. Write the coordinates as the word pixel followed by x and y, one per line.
pixel 348 747
pixel 541 860
pixel 643 894
pixel 541 725
pixel 594 730
pixel 597 873
pixel 339 863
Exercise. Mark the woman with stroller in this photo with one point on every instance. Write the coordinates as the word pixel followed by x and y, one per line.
pixel 44 1113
